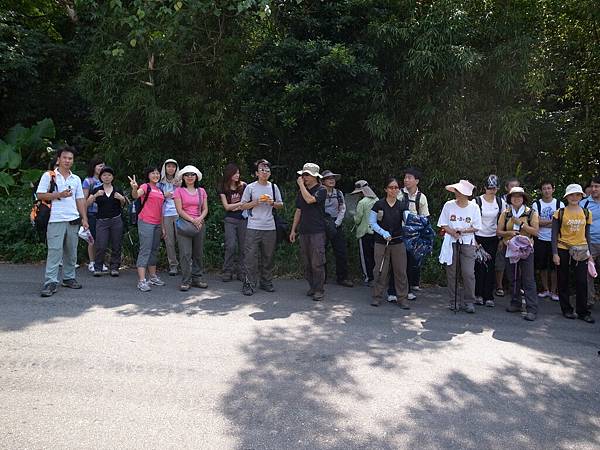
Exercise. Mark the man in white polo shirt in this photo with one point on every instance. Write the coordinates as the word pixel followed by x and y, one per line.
pixel 67 213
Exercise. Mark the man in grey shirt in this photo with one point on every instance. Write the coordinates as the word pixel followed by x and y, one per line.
pixel 260 198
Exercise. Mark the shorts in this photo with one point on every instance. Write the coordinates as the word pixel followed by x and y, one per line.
pixel 542 255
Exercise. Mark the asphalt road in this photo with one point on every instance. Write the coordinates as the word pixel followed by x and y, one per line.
pixel 110 367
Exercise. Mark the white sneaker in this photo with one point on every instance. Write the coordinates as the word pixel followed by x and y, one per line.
pixel 479 300
pixel 91 266
pixel 104 268
pixel 555 297
pixel 544 294
pixel 143 286
pixel 411 296
pixel 416 288
pixel 392 298
pixel 156 281
pixel 490 303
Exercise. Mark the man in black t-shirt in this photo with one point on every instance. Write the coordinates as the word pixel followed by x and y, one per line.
pixel 309 219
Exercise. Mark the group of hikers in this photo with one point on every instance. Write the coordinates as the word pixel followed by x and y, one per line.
pixel 487 238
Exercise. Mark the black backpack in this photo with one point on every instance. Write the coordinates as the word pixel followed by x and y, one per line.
pixel 498 202
pixel 281 224
pixel 416 201
pixel 40 211
pixel 134 209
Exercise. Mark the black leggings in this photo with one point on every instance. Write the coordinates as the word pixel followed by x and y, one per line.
pixel 563 273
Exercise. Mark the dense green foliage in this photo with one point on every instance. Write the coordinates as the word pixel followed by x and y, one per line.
pixel 363 87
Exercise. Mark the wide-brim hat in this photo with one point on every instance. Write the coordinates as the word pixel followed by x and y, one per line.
pixel 312 169
pixel 518 190
pixel 463 186
pixel 361 186
pixel 330 174
pixel 574 189
pixel 188 169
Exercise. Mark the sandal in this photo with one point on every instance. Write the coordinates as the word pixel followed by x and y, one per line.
pixel 500 292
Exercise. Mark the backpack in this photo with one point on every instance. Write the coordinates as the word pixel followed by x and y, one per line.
pixel 416 201
pixel 509 216
pixel 281 224
pixel 134 209
pixel 40 211
pixel 561 213
pixel 539 205
pixel 498 202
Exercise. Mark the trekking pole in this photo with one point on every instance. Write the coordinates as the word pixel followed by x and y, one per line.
pixel 383 259
pixel 385 252
pixel 458 243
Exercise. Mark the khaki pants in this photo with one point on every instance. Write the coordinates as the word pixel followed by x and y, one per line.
pixel 396 253
pixel 170 241
pixel 595 251
pixel 312 252
pixel 467 271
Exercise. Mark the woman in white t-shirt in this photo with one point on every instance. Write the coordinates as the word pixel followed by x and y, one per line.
pixel 490 205
pixel 460 219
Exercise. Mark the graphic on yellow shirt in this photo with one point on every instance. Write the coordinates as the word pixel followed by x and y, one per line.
pixel 572 230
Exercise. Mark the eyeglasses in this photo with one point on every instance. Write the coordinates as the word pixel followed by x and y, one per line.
pixel 393 188
pixel 264 170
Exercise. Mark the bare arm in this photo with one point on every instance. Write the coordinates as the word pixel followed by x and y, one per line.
pixel 295 223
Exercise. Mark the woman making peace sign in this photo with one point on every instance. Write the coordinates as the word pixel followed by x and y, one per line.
pixel 149 227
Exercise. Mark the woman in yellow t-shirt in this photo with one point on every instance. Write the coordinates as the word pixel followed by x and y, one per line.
pixel 570 228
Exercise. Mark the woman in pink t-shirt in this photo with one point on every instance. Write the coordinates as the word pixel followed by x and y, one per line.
pixel 149 227
pixel 192 207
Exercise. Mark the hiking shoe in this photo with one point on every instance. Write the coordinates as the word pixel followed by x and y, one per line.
pixel 91 266
pixel 155 281
pixel 529 317
pixel 451 307
pixel 415 288
pixel 570 315
pixel 143 286
pixel 310 292
pixel 346 283
pixel 226 277
pixel 98 273
pixel 199 284
pixel 375 301
pixel 247 289
pixel 490 303
pixel 500 292
pixel 71 284
pixel 411 296
pixel 403 305
pixel 49 289
pixel 318 296
pixel 544 294
pixel 469 308
pixel 479 301
pixel 513 308
pixel 392 298
pixel 555 297
pixel 267 287
pixel 173 272
pixel 588 318
pixel 184 287
pixel 114 273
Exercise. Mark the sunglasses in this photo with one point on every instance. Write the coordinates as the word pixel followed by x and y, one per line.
pixel 189 174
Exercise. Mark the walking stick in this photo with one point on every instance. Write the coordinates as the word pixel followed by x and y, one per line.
pixel 458 244
pixel 385 252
